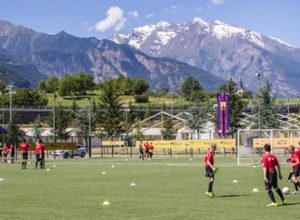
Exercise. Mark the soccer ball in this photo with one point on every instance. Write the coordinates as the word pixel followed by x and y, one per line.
pixel 285 190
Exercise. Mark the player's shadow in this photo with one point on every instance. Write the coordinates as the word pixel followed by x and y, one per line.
pixel 293 203
pixel 232 195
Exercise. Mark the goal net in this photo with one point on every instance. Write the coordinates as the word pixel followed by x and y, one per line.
pixel 250 144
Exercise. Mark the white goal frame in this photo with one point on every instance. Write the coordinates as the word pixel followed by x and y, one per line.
pixel 249 144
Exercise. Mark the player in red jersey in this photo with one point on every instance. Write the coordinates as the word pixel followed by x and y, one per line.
pixel 151 150
pixel 210 169
pixel 24 149
pixel 38 151
pixel 146 146
pixel 295 163
pixel 42 154
pixel 5 152
pixel 12 153
pixel 271 169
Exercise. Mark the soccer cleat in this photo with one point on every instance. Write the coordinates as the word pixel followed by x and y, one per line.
pixel 210 194
pixel 273 204
pixel 284 202
pixel 295 192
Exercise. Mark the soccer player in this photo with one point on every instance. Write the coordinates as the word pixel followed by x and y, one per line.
pixel 271 169
pixel 12 153
pixel 1 146
pixel 210 169
pixel 146 146
pixel 42 154
pixel 5 152
pixel 141 150
pixel 24 148
pixel 151 150
pixel 38 151
pixel 295 163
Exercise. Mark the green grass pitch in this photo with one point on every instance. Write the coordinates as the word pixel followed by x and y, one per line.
pixel 166 189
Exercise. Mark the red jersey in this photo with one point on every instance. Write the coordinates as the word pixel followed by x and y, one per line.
pixel 42 147
pixel 294 158
pixel 24 147
pixel 12 148
pixel 146 145
pixel 5 149
pixel 209 157
pixel 297 151
pixel 150 147
pixel 38 149
pixel 269 161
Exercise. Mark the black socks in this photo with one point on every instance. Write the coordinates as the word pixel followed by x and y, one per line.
pixel 271 195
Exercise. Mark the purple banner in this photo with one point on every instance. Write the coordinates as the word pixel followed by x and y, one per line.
pixel 223 101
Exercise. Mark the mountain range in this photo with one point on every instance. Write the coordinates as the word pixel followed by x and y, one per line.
pixel 62 53
pixel 224 50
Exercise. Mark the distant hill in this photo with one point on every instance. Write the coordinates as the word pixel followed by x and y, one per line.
pixel 22 75
pixel 63 53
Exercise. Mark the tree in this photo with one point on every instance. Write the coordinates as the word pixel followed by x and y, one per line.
pixel 148 112
pixel 28 97
pixel 265 109
pixel 140 86
pixel 198 119
pixel 130 118
pixel 14 132
pixel 168 131
pixel 42 86
pixel 197 96
pixel 111 117
pixel 78 83
pixel 2 86
pixel 189 86
pixel 63 120
pixel 52 84
pixel 236 105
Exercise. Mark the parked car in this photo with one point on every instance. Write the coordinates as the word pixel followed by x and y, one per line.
pixel 80 151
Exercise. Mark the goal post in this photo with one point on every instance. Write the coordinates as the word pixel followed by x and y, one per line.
pixel 250 144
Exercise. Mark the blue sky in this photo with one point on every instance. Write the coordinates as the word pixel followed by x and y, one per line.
pixel 279 18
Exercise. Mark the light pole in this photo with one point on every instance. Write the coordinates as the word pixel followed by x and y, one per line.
pixel 90 130
pixel 54 118
pixel 2 96
pixel 259 84
pixel 10 101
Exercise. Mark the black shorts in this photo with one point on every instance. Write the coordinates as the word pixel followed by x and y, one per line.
pixel 209 172
pixel 12 154
pixel 272 181
pixel 5 155
pixel 147 151
pixel 43 156
pixel 38 157
pixel 295 171
pixel 141 151
pixel 25 155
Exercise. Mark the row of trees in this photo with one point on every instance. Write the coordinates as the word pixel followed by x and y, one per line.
pixel 113 122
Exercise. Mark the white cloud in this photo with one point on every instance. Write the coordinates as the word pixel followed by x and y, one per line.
pixel 198 9
pixel 114 20
pixel 172 9
pixel 134 14
pixel 150 15
pixel 217 2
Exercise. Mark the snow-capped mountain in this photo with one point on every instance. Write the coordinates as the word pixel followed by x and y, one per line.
pixel 223 49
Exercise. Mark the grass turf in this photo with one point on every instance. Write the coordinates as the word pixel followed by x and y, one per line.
pixel 165 189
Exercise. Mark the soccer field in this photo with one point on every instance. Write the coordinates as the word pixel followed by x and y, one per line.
pixel 165 189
